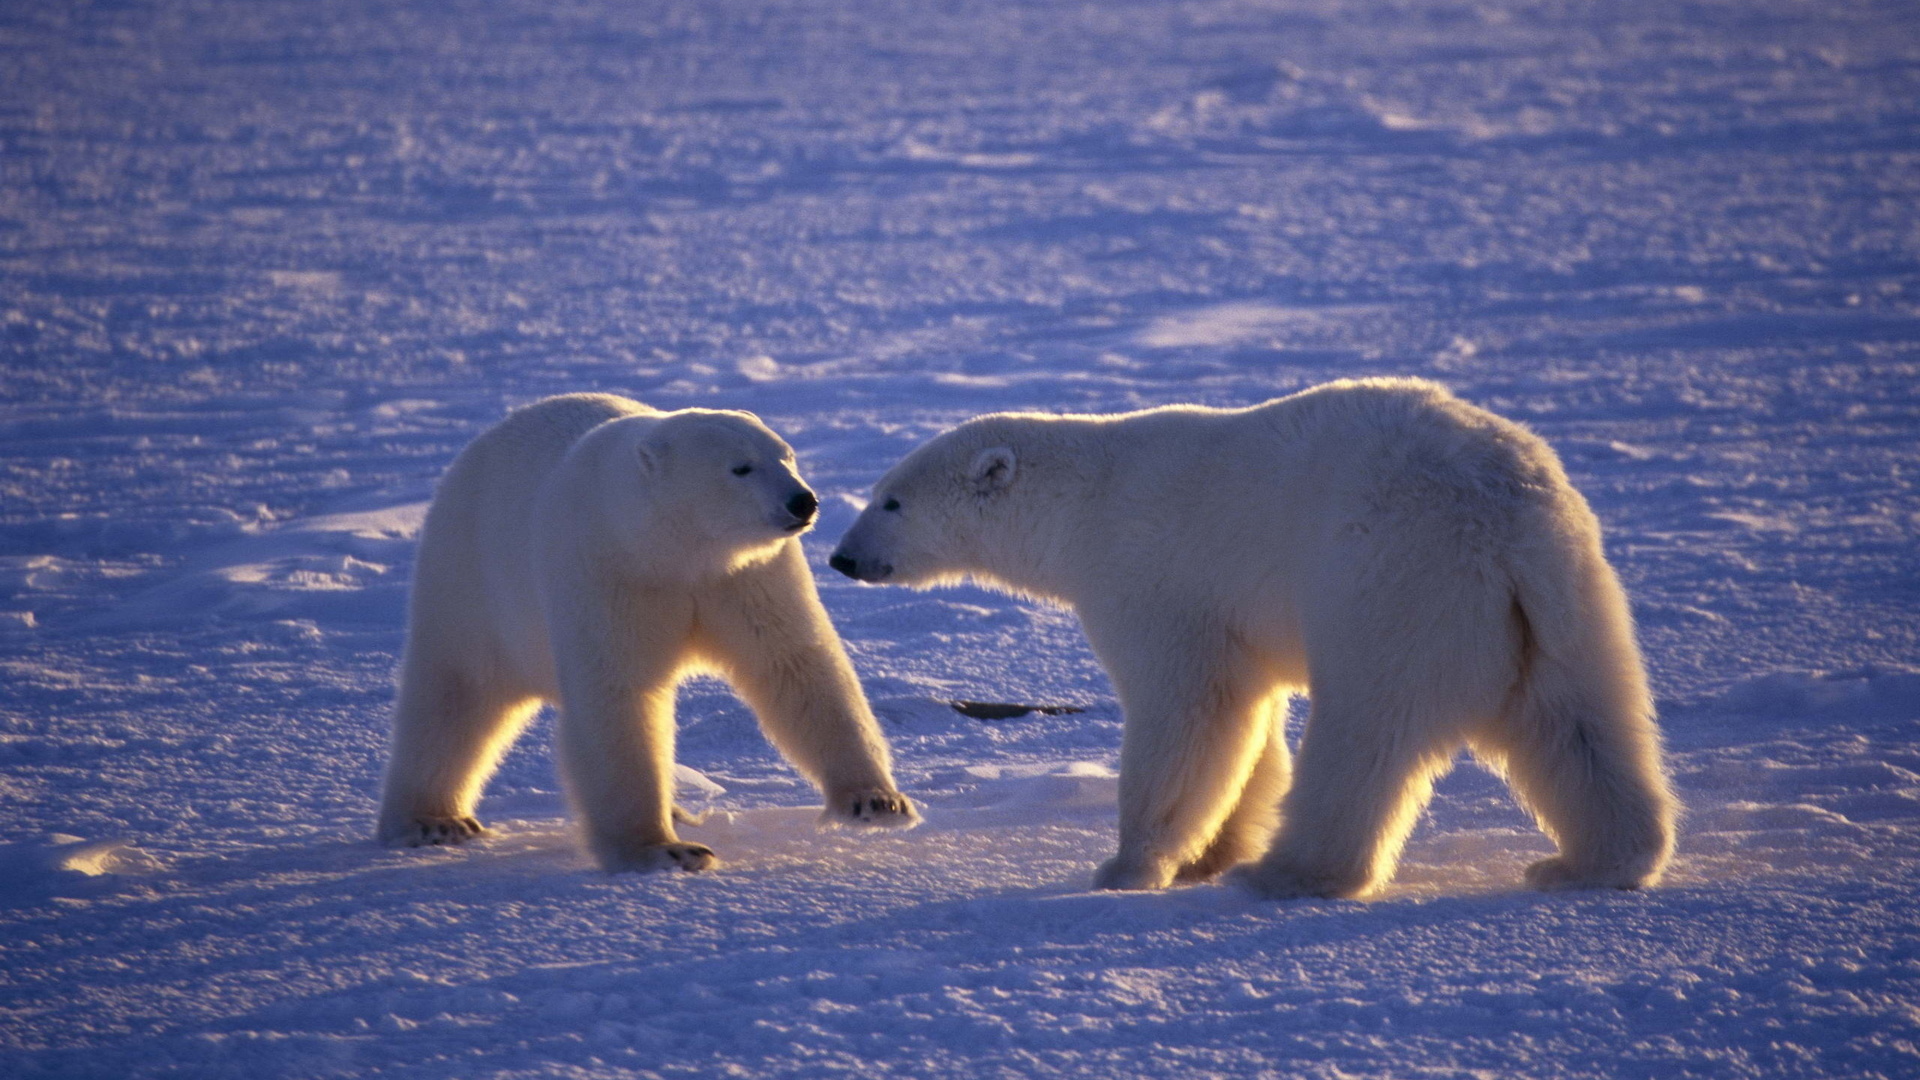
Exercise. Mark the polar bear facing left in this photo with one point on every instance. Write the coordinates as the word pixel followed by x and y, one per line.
pixel 590 551
pixel 1422 567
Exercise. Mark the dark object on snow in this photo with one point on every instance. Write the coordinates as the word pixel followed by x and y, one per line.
pixel 1000 710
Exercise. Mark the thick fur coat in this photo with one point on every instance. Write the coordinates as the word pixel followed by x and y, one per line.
pixel 589 552
pixel 1421 567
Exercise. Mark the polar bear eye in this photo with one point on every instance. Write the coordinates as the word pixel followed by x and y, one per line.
pixel 742 470
pixel 890 504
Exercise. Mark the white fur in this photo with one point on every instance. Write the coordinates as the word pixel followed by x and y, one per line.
pixel 1421 567
pixel 590 551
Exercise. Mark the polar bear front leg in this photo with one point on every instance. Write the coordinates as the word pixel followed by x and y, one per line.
pixel 1196 722
pixel 618 657
pixel 1250 826
pixel 1366 770
pixel 616 754
pixel 765 628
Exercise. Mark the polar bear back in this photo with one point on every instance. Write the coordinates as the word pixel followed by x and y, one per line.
pixel 1246 506
pixel 476 549
pixel 1283 513
pixel 1343 444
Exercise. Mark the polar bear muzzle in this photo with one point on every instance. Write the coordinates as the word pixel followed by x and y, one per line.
pixel 802 506
pixel 868 570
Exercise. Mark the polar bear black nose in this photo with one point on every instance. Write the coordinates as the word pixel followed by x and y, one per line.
pixel 859 571
pixel 803 505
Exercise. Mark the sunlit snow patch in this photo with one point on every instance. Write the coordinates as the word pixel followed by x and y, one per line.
pixel 1240 323
pixel 68 866
pixel 915 150
pixel 1073 786
pixel 1863 693
pixel 694 791
pixel 334 567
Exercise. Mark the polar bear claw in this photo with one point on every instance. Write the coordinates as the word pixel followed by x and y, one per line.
pixel 875 809
pixel 441 831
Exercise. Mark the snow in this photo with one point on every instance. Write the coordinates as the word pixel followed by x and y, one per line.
pixel 265 266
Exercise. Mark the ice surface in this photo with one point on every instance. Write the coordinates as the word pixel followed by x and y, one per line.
pixel 266 266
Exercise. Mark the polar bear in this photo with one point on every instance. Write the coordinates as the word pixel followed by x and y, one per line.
pixel 1420 567
pixel 589 551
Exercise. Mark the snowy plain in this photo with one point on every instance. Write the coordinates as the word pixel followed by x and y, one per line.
pixel 265 265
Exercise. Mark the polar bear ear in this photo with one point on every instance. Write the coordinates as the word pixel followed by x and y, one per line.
pixel 992 470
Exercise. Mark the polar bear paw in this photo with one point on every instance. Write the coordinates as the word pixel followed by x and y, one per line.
pixel 1124 873
pixel 437 831
pixel 1224 855
pixel 652 858
pixel 1559 875
pixel 874 808
pixel 1283 883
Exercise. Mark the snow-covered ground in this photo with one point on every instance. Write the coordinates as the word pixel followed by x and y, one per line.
pixel 265 265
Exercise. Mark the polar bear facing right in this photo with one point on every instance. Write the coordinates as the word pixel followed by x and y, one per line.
pixel 589 551
pixel 1421 567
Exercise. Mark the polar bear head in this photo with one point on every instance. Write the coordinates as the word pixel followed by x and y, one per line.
pixel 981 501
pixel 698 490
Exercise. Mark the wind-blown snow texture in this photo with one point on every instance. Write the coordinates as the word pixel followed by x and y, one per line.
pixel 266 265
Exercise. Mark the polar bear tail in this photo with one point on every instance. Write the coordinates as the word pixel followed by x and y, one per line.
pixel 1580 743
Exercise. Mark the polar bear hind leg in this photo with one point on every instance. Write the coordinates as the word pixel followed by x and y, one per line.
pixel 1579 749
pixel 449 731
pixel 1591 787
pixel 1530 660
